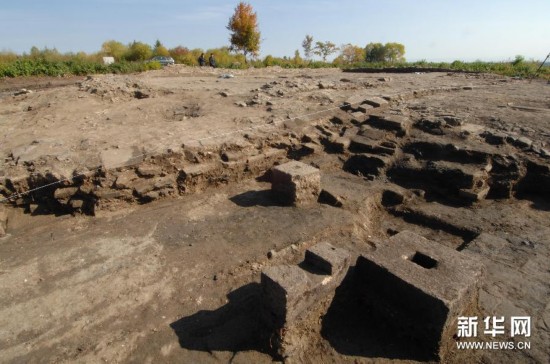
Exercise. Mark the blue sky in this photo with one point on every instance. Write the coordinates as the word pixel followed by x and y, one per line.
pixel 433 30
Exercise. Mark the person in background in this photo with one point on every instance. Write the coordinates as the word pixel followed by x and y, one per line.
pixel 212 61
pixel 202 60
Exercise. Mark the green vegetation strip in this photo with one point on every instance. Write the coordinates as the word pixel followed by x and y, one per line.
pixel 30 67
pixel 62 65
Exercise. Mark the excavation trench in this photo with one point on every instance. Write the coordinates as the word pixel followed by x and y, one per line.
pixel 156 177
pixel 373 144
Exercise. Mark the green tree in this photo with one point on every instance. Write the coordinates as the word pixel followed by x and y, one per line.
pixel 394 52
pixel 245 36
pixel 389 52
pixel 375 52
pixel 160 49
pixel 307 44
pixel 114 49
pixel 325 49
pixel 138 51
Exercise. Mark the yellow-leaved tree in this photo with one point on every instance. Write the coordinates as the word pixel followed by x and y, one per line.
pixel 245 36
pixel 160 49
pixel 114 49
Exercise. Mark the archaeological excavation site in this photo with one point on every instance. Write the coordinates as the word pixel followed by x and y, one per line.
pixel 192 215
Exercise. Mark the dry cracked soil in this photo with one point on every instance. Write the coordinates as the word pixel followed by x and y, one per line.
pixel 137 212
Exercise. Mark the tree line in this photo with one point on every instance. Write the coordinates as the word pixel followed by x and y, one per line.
pixel 373 52
pixel 244 39
pixel 242 52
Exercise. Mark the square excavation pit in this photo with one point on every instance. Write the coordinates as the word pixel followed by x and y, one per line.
pixel 420 287
pixel 296 183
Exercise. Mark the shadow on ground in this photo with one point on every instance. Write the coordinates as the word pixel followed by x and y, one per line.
pixel 255 198
pixel 541 203
pixel 233 327
pixel 353 328
pixel 350 326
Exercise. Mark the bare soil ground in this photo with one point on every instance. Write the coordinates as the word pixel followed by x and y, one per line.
pixel 150 216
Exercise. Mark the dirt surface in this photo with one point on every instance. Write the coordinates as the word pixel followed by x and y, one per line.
pixel 137 213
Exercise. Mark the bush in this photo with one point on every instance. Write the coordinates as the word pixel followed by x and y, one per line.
pixel 519 60
pixel 138 51
pixel 29 67
pixel 179 53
